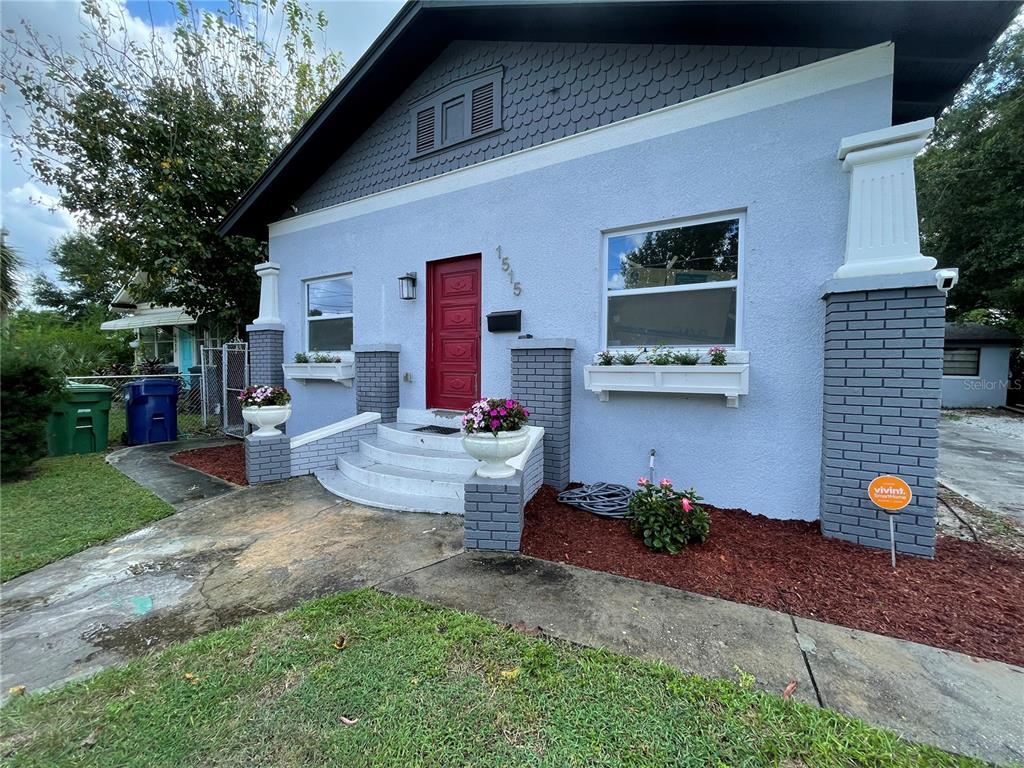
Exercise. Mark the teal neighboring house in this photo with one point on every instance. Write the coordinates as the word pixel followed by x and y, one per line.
pixel 168 334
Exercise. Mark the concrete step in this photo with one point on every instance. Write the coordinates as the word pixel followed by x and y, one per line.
pixel 383 451
pixel 405 434
pixel 340 485
pixel 402 480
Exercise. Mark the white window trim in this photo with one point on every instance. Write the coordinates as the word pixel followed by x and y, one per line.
pixel 687 221
pixel 346 354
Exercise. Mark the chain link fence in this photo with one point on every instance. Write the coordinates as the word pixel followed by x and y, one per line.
pixel 191 420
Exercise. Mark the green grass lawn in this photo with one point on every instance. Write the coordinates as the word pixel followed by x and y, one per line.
pixel 422 686
pixel 67 505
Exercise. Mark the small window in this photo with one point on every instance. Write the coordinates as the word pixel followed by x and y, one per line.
pixel 674 286
pixel 960 361
pixel 329 314
pixel 464 110
pixel 157 343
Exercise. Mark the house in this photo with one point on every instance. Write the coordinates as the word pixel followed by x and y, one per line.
pixel 167 334
pixel 498 192
pixel 976 365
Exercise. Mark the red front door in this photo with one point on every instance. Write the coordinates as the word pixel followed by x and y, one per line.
pixel 453 332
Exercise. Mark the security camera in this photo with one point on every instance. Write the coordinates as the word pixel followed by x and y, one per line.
pixel 945 279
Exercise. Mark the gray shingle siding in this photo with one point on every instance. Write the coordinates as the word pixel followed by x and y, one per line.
pixel 550 90
pixel 883 374
pixel 324 453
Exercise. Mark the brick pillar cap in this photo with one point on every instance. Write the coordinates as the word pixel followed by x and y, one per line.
pixel 376 347
pixel 561 343
pixel 264 327
pixel 925 279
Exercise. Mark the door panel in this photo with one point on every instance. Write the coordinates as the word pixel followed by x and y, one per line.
pixel 453 333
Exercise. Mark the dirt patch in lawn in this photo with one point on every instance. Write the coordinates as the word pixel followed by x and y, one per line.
pixel 967 599
pixel 224 461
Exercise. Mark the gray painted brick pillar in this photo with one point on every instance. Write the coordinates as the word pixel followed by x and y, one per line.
pixel 267 459
pixel 542 381
pixel 266 354
pixel 494 513
pixel 883 375
pixel 377 379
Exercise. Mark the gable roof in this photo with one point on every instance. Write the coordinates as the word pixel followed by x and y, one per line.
pixel 938 46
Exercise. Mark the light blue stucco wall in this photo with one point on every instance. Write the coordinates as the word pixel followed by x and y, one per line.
pixel 987 389
pixel 777 164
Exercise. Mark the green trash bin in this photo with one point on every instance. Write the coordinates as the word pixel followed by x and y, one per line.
pixel 80 419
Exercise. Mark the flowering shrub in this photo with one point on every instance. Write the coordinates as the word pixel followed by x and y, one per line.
pixel 717 355
pixel 666 519
pixel 495 415
pixel 261 394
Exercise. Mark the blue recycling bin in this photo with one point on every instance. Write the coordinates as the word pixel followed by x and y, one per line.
pixel 151 407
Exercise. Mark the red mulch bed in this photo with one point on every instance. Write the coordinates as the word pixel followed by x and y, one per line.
pixel 970 598
pixel 224 461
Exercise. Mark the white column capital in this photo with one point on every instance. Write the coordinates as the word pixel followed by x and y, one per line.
pixel 882 235
pixel 270 313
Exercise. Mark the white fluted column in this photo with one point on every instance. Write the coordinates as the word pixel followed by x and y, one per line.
pixel 882 235
pixel 270 313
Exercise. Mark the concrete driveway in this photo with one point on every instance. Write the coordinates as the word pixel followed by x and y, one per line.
pixel 981 457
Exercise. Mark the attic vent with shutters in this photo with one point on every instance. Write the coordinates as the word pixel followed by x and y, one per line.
pixel 463 111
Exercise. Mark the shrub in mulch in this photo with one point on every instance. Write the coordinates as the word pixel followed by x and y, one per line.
pixel 968 599
pixel 224 461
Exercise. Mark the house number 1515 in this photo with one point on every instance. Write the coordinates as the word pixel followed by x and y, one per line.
pixel 506 267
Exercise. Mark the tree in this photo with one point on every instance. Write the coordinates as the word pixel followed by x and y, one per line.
pixel 150 141
pixel 971 189
pixel 10 265
pixel 91 277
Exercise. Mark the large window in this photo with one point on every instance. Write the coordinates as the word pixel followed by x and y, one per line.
pixel 674 285
pixel 329 314
pixel 960 361
pixel 157 343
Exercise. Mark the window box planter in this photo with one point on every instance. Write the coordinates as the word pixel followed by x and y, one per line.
pixel 343 373
pixel 729 380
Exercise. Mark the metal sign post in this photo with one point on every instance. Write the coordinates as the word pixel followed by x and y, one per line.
pixel 890 494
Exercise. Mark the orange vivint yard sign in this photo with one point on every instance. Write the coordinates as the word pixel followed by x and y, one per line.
pixel 890 493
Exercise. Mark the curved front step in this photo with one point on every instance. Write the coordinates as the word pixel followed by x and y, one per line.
pixel 402 480
pixel 405 434
pixel 383 451
pixel 340 485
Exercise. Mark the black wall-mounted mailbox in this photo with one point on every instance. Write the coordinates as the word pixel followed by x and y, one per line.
pixel 511 320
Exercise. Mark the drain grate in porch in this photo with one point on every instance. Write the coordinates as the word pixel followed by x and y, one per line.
pixel 436 430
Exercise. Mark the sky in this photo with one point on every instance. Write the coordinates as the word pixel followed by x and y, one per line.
pixel 29 209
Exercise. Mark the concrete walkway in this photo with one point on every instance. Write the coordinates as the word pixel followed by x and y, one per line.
pixel 981 457
pixel 263 549
pixel 963 704
pixel 180 486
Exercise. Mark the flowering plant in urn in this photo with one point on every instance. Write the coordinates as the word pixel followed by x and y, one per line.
pixel 495 432
pixel 265 407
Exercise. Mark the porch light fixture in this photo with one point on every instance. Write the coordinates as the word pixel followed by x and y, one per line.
pixel 407 286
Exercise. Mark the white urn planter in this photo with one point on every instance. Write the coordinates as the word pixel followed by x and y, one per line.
pixel 496 449
pixel 266 417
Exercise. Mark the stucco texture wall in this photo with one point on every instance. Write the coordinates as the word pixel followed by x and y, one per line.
pixel 987 389
pixel 777 164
